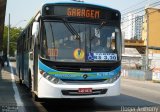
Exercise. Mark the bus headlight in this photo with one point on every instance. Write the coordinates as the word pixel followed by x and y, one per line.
pixel 51 78
pixel 111 80
pixel 55 80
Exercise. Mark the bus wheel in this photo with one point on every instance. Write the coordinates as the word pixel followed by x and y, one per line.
pixel 20 80
pixel 35 97
pixel 30 80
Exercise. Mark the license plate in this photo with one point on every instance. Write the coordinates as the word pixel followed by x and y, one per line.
pixel 85 90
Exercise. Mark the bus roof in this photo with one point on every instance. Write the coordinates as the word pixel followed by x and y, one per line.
pixel 74 2
pixel 65 2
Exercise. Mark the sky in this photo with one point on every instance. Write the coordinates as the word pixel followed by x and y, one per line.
pixel 21 11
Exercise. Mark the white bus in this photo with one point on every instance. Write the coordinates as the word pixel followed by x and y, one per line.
pixel 71 50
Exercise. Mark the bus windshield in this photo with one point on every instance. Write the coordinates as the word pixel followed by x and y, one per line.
pixel 95 43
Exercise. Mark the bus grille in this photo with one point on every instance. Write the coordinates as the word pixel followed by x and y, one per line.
pixel 77 69
pixel 75 92
pixel 83 81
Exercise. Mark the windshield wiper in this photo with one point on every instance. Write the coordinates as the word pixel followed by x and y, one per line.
pixel 98 30
pixel 73 31
pixel 101 25
pixel 91 38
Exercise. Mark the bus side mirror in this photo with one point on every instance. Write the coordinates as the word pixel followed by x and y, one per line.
pixel 31 55
pixel 35 29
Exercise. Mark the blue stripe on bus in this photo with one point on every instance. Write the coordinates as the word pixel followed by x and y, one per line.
pixel 79 75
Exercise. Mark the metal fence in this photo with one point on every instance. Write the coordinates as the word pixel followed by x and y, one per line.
pixel 138 62
pixel 133 62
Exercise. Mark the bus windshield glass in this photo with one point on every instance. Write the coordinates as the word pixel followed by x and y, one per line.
pixel 95 42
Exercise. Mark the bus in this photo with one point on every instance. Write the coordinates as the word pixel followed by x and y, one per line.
pixel 71 50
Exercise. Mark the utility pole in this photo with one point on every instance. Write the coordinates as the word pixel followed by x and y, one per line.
pixel 8 36
pixel 147 39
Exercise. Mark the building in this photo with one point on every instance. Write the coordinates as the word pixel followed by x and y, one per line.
pixel 128 26
pixel 138 27
pixel 151 29
pixel 132 26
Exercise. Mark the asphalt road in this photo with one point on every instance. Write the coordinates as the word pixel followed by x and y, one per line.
pixel 136 96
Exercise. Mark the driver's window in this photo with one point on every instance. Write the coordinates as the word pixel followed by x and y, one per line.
pixel 113 41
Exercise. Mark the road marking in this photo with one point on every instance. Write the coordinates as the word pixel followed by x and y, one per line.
pixel 19 102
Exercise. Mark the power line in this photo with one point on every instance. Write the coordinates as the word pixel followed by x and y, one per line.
pixel 136 20
pixel 131 23
pixel 130 19
pixel 138 16
pixel 134 5
pixel 153 3
pixel 133 13
pixel 139 11
pixel 138 4
pixel 139 27
pixel 142 8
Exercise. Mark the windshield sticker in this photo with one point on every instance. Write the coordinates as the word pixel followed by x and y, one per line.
pixel 90 56
pixel 102 56
pixel 52 52
pixel 78 54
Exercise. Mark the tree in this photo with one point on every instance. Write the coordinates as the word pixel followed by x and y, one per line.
pixel 14 34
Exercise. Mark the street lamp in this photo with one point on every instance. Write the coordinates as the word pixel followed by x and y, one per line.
pixel 9 33
pixel 8 36
pixel 19 22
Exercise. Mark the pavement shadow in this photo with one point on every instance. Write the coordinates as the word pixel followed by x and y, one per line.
pixel 6 90
pixel 7 94
pixel 117 103
pixel 6 68
pixel 5 74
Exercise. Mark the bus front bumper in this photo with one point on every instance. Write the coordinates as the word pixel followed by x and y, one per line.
pixel 47 89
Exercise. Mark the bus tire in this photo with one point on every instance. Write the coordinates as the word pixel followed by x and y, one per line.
pixel 35 97
pixel 20 80
pixel 30 80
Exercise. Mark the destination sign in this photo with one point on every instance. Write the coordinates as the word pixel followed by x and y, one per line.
pixel 80 11
pixel 84 13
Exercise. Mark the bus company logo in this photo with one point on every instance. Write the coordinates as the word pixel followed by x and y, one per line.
pixel 78 54
pixel 85 76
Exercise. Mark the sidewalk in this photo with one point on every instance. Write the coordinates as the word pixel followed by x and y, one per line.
pixel 7 100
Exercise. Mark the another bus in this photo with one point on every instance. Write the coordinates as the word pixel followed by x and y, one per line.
pixel 71 50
